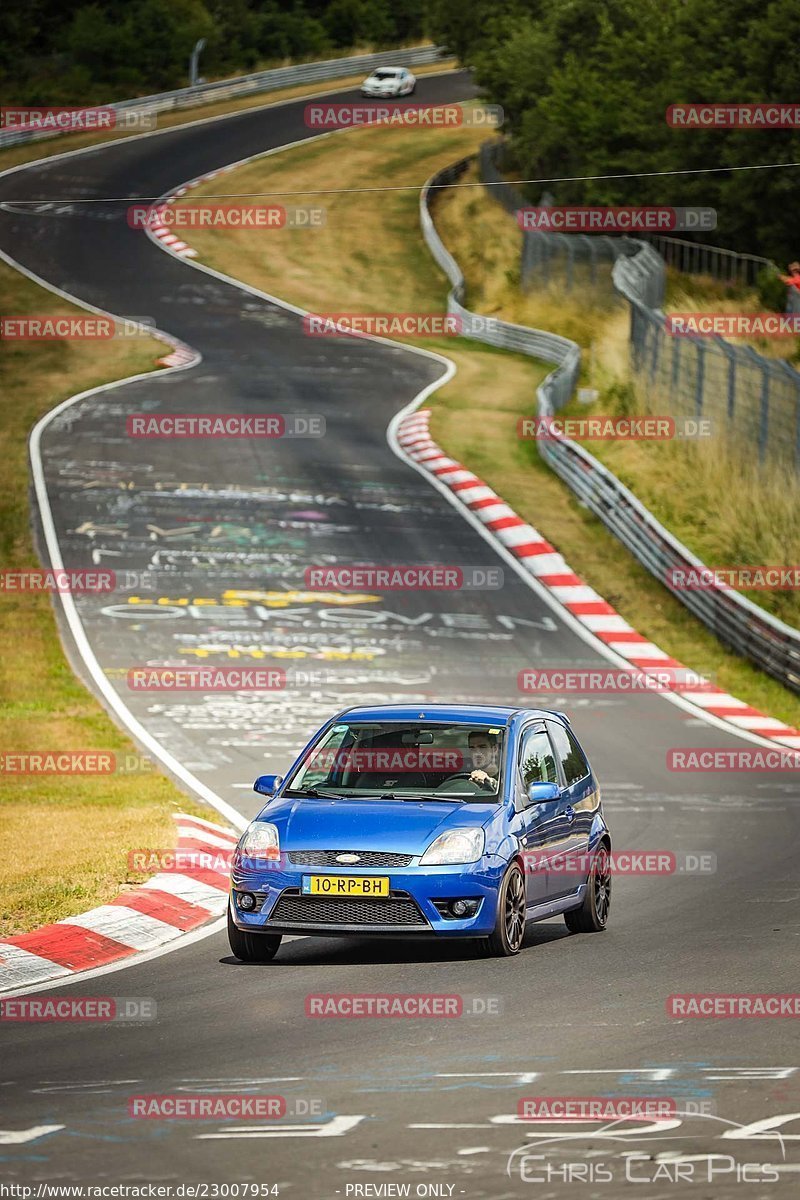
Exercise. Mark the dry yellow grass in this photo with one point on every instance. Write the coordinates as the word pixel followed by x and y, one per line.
pixel 64 839
pixel 372 248
pixel 681 482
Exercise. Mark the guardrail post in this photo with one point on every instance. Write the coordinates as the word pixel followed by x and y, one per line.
pixel 699 379
pixel 658 334
pixel 676 361
pixel 763 419
pixel 730 354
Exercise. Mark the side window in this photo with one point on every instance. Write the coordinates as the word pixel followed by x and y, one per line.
pixel 569 753
pixel 536 761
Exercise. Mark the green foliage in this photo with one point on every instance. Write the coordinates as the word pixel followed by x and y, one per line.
pixel 585 85
pixel 771 290
pixel 73 52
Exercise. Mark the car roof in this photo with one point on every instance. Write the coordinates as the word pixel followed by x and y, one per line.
pixel 468 714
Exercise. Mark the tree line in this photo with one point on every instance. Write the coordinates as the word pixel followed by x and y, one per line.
pixel 71 53
pixel 585 85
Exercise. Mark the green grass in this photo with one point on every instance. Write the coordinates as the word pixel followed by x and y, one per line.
pixel 475 415
pixel 65 839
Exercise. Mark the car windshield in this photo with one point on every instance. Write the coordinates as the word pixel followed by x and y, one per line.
pixel 385 74
pixel 401 761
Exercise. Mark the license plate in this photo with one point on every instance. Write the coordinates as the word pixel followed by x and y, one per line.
pixel 346 885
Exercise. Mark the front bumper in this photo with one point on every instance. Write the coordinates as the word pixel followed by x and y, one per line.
pixel 410 910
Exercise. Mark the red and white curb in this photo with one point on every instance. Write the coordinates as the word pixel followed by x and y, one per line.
pixel 181 356
pixel 161 230
pixel 544 562
pixel 161 909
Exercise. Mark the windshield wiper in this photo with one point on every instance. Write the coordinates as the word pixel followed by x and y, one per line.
pixel 432 799
pixel 322 794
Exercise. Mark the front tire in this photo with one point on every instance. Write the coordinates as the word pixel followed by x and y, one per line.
pixel 252 947
pixel 506 938
pixel 592 916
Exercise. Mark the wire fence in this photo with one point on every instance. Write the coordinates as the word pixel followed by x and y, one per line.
pixel 751 400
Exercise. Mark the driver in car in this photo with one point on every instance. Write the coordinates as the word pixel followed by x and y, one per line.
pixel 485 751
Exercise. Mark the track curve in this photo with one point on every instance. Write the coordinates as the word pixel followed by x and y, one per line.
pixel 250 517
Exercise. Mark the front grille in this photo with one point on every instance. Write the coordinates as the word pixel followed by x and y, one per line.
pixel 397 909
pixel 368 858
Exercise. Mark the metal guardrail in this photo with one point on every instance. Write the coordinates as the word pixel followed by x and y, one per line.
pixel 736 621
pixel 537 342
pixel 243 85
pixel 747 629
pixel 698 258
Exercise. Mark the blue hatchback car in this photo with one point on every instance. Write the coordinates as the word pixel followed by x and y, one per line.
pixel 450 821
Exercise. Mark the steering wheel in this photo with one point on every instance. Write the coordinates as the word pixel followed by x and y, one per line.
pixel 445 785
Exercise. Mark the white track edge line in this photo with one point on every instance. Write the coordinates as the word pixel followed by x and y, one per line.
pixel 127 718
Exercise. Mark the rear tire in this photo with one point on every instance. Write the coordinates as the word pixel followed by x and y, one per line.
pixel 252 947
pixel 592 916
pixel 506 938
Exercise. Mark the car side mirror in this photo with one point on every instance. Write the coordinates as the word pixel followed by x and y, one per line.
pixel 538 793
pixel 267 785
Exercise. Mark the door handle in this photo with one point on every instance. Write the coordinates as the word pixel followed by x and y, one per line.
pixel 569 813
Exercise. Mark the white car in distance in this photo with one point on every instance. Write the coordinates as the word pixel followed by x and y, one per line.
pixel 389 81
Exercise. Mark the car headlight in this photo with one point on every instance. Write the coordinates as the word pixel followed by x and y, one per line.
pixel 260 840
pixel 455 846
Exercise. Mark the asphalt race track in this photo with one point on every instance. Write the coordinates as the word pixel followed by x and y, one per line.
pixel 402 1101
